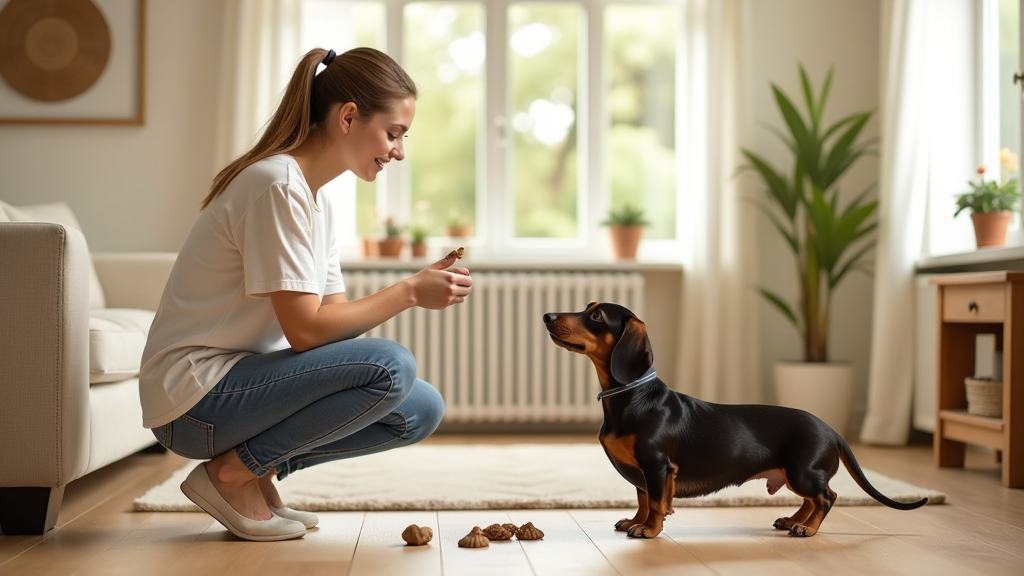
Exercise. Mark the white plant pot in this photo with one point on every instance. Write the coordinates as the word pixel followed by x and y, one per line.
pixel 824 389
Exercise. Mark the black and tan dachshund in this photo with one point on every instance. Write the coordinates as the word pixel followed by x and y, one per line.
pixel 670 445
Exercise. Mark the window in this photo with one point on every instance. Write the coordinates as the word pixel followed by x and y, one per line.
pixel 973 109
pixel 533 118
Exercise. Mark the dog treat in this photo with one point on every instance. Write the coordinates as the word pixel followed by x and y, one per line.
pixel 417 536
pixel 510 527
pixel 457 253
pixel 498 532
pixel 475 539
pixel 529 532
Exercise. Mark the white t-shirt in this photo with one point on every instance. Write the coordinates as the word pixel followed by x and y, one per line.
pixel 264 233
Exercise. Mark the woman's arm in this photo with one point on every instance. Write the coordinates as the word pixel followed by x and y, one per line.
pixel 308 324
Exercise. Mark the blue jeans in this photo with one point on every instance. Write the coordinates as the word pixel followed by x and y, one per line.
pixel 285 411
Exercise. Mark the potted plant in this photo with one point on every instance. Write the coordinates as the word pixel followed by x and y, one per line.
pixel 418 237
pixel 827 241
pixel 456 226
pixel 991 203
pixel 626 225
pixel 390 246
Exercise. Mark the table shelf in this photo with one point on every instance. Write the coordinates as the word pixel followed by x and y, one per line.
pixel 968 305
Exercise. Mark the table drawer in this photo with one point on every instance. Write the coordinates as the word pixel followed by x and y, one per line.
pixel 974 303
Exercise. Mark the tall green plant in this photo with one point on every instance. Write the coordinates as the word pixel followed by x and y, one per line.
pixel 804 208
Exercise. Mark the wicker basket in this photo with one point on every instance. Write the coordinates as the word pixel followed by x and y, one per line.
pixel 984 397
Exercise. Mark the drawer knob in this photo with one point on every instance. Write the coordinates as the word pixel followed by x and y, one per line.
pixel 972 306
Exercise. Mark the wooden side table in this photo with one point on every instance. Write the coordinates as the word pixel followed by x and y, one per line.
pixel 971 304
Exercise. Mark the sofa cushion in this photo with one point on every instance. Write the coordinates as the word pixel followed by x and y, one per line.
pixel 56 213
pixel 116 339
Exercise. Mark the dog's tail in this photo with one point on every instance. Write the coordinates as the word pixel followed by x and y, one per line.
pixel 846 455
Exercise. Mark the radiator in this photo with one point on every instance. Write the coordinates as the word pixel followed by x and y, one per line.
pixel 491 357
pixel 926 302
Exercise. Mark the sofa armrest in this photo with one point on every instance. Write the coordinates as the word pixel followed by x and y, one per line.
pixel 44 354
pixel 133 279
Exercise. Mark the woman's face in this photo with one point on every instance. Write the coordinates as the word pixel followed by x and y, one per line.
pixel 379 139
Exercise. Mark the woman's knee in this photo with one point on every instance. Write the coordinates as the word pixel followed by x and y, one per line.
pixel 424 411
pixel 400 365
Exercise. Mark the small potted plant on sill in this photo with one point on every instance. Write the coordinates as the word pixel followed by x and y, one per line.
pixel 992 203
pixel 457 227
pixel 418 238
pixel 626 225
pixel 390 246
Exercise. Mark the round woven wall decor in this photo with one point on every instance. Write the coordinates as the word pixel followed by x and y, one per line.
pixel 52 50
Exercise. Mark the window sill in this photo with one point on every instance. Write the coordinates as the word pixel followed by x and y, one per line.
pixel 979 260
pixel 513 264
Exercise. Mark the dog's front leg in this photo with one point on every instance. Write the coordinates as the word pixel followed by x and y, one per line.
pixel 638 518
pixel 661 488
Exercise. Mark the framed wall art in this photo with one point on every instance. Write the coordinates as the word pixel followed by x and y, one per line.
pixel 72 61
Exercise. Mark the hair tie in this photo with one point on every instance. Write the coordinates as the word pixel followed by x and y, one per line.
pixel 329 58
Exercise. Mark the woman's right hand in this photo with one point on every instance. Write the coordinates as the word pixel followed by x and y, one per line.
pixel 439 285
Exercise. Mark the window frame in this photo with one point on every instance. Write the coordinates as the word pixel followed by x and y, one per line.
pixel 495 200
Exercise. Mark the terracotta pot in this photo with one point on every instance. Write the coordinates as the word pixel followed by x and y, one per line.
pixel 390 247
pixel 419 249
pixel 458 231
pixel 625 240
pixel 370 247
pixel 824 389
pixel 990 227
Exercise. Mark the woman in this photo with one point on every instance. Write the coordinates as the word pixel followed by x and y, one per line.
pixel 252 361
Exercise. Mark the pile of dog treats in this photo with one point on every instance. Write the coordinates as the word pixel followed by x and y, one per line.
pixel 478 537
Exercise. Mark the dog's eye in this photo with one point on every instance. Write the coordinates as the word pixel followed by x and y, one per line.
pixel 596 315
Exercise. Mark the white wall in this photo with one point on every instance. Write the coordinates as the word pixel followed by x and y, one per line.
pixel 818 33
pixel 138 188
pixel 133 187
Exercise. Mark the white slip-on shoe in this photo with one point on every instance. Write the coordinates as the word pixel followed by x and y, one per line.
pixel 199 489
pixel 308 519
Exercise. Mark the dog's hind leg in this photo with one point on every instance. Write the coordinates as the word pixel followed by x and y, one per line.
pixel 638 518
pixel 661 488
pixel 819 506
pixel 800 517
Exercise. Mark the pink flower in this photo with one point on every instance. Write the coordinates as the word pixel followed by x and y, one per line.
pixel 981 169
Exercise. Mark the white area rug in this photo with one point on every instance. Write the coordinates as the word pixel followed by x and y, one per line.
pixel 503 477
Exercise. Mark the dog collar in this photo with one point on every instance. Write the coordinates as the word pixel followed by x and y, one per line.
pixel 648 376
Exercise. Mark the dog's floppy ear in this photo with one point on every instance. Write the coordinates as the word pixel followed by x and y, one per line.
pixel 632 355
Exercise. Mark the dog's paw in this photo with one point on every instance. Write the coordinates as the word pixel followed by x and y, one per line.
pixel 641 531
pixel 800 531
pixel 624 524
pixel 784 523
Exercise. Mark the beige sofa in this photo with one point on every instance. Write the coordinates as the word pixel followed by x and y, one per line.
pixel 72 329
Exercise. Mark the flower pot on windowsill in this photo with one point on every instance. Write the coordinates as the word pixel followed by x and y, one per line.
pixel 990 227
pixel 370 247
pixel 458 231
pixel 625 241
pixel 390 247
pixel 419 249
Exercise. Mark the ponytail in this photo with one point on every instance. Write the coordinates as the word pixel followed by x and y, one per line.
pixel 367 77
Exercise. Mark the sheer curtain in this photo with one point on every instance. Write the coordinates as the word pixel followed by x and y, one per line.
pixel 928 145
pixel 260 46
pixel 720 356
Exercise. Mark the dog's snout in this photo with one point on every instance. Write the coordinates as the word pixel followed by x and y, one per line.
pixel 550 317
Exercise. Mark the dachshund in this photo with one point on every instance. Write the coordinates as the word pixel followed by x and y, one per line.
pixel 670 445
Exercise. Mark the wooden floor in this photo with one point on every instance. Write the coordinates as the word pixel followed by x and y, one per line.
pixel 980 531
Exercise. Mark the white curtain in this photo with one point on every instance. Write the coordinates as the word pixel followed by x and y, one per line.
pixel 720 356
pixel 260 47
pixel 928 145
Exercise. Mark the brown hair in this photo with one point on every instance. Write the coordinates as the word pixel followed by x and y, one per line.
pixel 367 77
